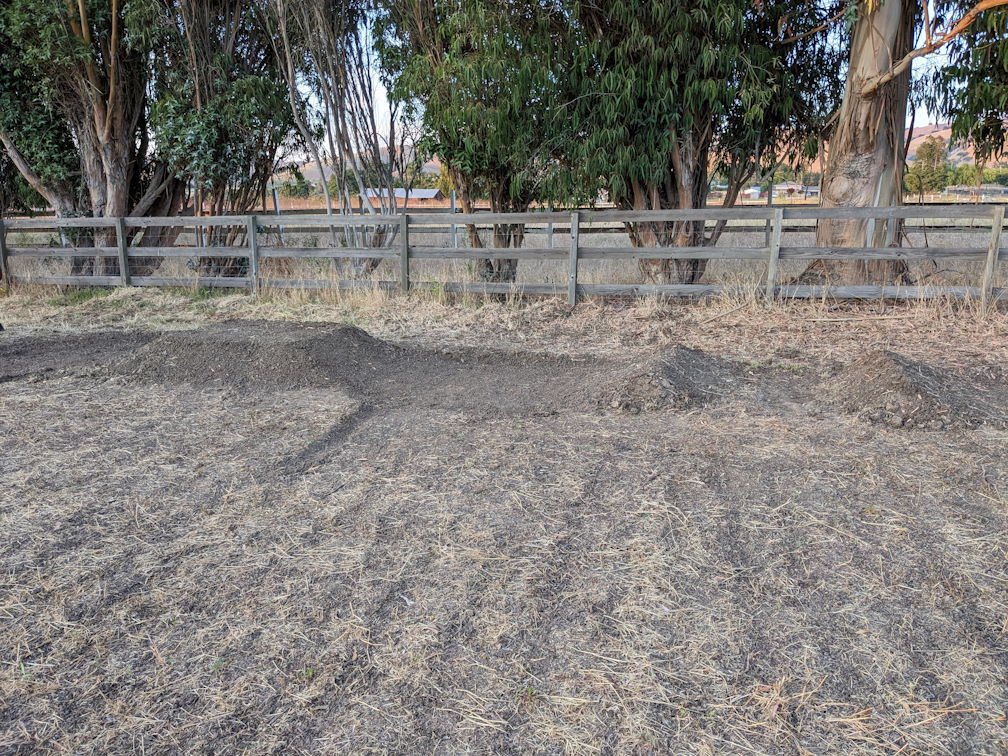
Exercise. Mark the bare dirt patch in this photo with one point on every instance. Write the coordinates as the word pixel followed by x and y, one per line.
pixel 270 538
pixel 62 354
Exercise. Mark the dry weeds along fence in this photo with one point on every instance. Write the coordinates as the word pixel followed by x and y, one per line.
pixel 267 259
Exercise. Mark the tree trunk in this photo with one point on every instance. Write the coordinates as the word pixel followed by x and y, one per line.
pixel 684 188
pixel 864 164
pixel 504 234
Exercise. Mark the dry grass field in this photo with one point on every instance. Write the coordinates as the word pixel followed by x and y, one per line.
pixel 361 524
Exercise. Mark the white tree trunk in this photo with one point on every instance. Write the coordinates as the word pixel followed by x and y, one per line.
pixel 864 165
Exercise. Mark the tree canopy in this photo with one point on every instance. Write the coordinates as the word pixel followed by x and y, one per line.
pixel 116 107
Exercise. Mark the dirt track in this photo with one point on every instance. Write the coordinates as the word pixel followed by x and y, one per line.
pixel 278 538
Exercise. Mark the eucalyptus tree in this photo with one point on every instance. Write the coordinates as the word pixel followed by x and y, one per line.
pixel 328 52
pixel 485 80
pixel 36 144
pixel 664 91
pixel 113 107
pixel 971 89
pixel 865 159
pixel 219 115
pixel 80 71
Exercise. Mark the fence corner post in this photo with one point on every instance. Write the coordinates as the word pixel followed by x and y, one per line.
pixel 573 260
pixel 773 252
pixel 993 248
pixel 404 280
pixel 253 245
pixel 4 268
pixel 122 241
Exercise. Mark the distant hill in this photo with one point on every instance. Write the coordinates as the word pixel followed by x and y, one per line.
pixel 959 154
pixel 310 170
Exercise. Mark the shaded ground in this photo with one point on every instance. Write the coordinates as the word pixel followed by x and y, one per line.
pixel 278 538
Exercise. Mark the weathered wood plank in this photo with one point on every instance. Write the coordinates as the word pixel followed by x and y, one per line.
pixel 881 253
pixel 4 268
pixel 210 282
pixel 44 252
pixel 327 284
pixel 535 218
pixel 660 216
pixel 280 253
pixel 993 250
pixel 878 292
pixel 487 253
pixel 673 253
pixel 188 252
pixel 732 228
pixel 323 221
pixel 26 224
pixel 404 253
pixel 68 280
pixel 421 219
pixel 903 211
pixel 653 290
pixel 122 241
pixel 253 253
pixel 189 221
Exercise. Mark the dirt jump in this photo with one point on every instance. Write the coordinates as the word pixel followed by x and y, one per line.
pixel 269 537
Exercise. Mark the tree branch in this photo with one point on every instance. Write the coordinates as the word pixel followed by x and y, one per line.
pixel 822 27
pixel 113 71
pixel 19 161
pixel 958 28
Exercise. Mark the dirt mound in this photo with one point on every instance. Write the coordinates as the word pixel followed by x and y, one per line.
pixel 270 356
pixel 675 379
pixel 885 387
pixel 252 355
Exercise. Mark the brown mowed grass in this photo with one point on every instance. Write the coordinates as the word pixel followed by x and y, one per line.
pixel 215 568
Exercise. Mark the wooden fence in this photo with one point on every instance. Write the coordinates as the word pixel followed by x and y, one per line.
pixel 400 231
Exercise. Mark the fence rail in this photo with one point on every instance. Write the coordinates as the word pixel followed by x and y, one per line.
pixel 245 241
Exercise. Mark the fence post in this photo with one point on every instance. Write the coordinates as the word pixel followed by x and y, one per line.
pixel 122 242
pixel 4 268
pixel 987 285
pixel 404 253
pixel 253 244
pixel 774 252
pixel 573 260
pixel 454 227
